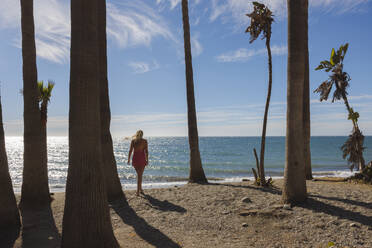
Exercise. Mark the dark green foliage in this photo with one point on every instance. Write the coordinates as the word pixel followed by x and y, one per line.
pixel 45 92
pixel 338 78
pixel 353 147
pixel 336 58
pixel 261 19
pixel 365 175
pixel 353 115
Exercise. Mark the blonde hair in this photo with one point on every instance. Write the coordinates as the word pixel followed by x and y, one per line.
pixel 137 136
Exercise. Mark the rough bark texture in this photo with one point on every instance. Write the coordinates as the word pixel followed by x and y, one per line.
pixel 294 188
pixel 263 138
pixel 35 189
pixel 196 170
pixel 86 206
pixel 306 117
pixel 9 216
pixel 113 185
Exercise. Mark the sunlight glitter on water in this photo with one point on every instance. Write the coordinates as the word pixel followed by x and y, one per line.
pixel 228 158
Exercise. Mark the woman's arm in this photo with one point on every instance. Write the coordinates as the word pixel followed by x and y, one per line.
pixel 147 153
pixel 130 151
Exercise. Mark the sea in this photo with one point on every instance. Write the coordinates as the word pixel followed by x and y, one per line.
pixel 224 159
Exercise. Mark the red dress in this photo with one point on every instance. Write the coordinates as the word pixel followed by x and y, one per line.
pixel 139 159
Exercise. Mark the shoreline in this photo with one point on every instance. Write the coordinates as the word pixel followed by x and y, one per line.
pixel 58 188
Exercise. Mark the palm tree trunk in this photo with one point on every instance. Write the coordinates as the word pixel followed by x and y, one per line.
pixel 294 188
pixel 113 185
pixel 35 189
pixel 263 138
pixel 344 97
pixel 196 170
pixel 9 216
pixel 306 117
pixel 86 219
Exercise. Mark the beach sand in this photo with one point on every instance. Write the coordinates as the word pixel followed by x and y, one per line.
pixel 225 215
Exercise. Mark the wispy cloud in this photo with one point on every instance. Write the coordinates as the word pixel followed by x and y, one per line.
pixel 236 10
pixel 130 23
pixel 133 23
pixel 143 67
pixel 173 3
pixel 243 54
pixel 196 46
pixel 339 6
pixel 52 22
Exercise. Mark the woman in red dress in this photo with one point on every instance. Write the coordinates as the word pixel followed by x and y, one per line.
pixel 140 157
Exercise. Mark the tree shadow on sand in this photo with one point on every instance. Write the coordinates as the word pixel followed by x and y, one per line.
pixel 39 229
pixel 346 201
pixel 163 205
pixel 321 207
pixel 272 189
pixel 147 232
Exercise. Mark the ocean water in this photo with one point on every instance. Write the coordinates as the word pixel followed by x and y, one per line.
pixel 226 158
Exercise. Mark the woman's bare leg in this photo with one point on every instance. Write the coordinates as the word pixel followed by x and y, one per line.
pixel 140 174
pixel 139 180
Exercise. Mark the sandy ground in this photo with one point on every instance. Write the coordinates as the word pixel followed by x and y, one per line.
pixel 225 215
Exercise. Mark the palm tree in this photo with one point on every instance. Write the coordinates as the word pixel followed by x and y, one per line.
pixel 353 147
pixel 306 117
pixel 9 216
pixel 294 187
pixel 261 20
pixel 45 93
pixel 86 205
pixel 113 185
pixel 196 169
pixel 35 189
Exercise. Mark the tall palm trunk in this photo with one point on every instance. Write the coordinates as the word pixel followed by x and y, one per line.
pixel 196 170
pixel 9 215
pixel 86 219
pixel 263 139
pixel 35 189
pixel 306 117
pixel 294 188
pixel 113 185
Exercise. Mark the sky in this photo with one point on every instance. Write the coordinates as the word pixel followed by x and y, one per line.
pixel 146 67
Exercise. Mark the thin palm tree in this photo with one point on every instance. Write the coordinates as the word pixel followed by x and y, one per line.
pixel 113 185
pixel 86 205
pixel 9 215
pixel 294 186
pixel 306 117
pixel 45 93
pixel 196 169
pixel 261 20
pixel 35 189
pixel 353 147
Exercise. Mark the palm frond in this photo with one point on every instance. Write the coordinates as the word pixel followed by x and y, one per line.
pixel 353 148
pixel 341 81
pixel 45 91
pixel 261 20
pixel 324 89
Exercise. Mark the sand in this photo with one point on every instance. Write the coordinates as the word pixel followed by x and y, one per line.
pixel 225 215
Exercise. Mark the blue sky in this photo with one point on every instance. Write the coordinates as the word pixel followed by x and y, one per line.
pixel 146 68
